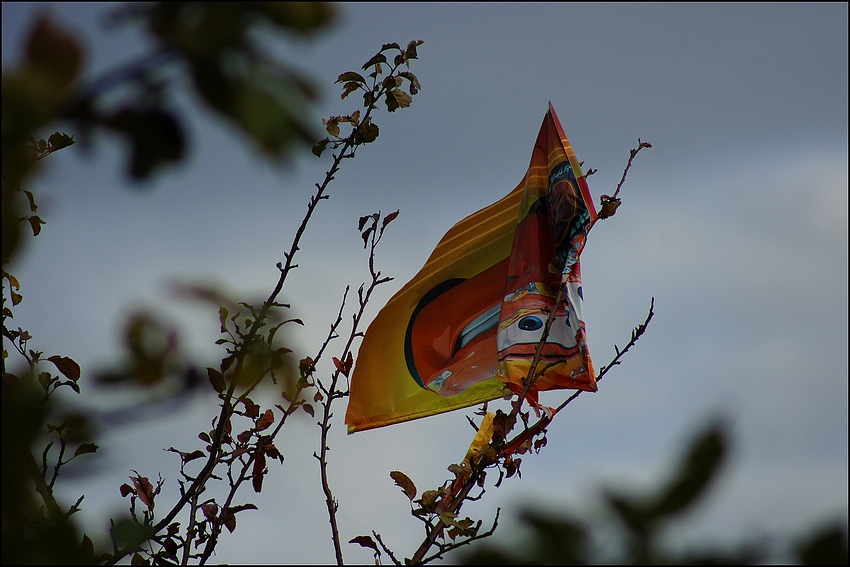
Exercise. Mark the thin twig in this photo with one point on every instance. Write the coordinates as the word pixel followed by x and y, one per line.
pixel 632 153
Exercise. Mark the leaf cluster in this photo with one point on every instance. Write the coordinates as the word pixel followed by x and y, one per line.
pixel 378 84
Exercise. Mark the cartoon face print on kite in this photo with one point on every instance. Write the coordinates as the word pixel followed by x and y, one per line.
pixel 450 342
pixel 465 331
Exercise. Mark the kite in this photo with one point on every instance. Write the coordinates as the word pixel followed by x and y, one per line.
pixel 468 324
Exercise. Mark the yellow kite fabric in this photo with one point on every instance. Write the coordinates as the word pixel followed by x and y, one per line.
pixel 469 323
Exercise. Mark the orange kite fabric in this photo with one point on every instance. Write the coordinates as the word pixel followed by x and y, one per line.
pixel 468 324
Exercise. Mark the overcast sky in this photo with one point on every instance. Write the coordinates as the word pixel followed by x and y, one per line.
pixel 735 221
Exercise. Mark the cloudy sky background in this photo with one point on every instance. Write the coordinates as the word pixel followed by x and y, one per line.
pixel 735 221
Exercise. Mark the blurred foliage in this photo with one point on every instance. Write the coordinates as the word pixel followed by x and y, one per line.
pixel 214 45
pixel 211 43
pixel 629 528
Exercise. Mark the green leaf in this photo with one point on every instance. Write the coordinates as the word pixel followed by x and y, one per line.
pixel 392 45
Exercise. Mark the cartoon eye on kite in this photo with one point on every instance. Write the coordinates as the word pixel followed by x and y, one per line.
pixel 530 323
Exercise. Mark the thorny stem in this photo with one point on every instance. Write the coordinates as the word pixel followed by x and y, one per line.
pixel 419 557
pixel 636 334
pixel 190 529
pixel 217 525
pixel 333 393
pixel 438 528
pixel 632 153
pixel 325 426
pixel 226 407
pixel 346 151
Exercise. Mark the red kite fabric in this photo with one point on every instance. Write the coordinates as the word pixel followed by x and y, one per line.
pixel 469 323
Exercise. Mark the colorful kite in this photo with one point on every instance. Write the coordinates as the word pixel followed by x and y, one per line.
pixel 469 323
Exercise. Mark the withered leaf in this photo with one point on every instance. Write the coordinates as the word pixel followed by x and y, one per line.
pixel 210 509
pixel 309 409
pixel 197 454
pixel 350 76
pixel 405 483
pixel 365 541
pixel 85 448
pixel 229 519
pixel 222 316
pixel 35 224
pixel 609 206
pixel 259 468
pixel 252 409
pixel 66 366
pixel 376 60
pixel 265 421
pixel 388 219
pixel 429 500
pixel 306 366
pixel 365 236
pixel 216 379
pixel 317 151
pixel 447 518
pixel 249 506
pixel 144 490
